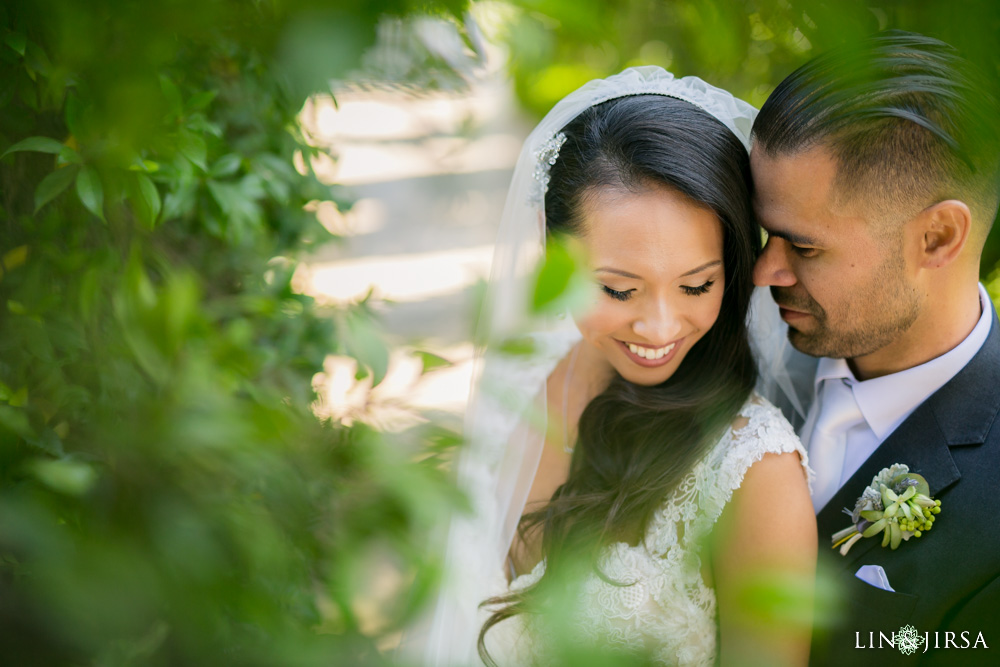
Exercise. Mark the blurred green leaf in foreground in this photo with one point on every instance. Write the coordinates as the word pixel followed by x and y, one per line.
pixel 166 494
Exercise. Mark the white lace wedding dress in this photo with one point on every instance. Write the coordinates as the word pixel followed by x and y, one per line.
pixel 669 611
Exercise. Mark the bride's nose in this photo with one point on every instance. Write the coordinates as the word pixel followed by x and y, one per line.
pixel 658 324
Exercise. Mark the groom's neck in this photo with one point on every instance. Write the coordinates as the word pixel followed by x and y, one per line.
pixel 948 314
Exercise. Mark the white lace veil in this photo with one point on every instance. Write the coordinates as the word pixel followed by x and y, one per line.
pixel 505 420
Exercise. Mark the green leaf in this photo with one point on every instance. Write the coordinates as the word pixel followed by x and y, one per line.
pixel 201 100
pixel 227 165
pixel 28 93
pixel 192 147
pixel 48 441
pixel 15 421
pixel 16 41
pixel 74 114
pixel 432 361
pixel 875 528
pixel 88 186
pixel 170 91
pixel 36 59
pixel 364 342
pixel 147 166
pixel 36 145
pixel 179 303
pixel 561 283
pixel 252 187
pixel 17 399
pixel 12 259
pixel 225 195
pixel 145 200
pixel 65 476
pixel 271 166
pixel 69 156
pixel 895 535
pixel 239 208
pixel 181 202
pixel 53 185
pixel 198 124
pixel 518 346
pixel 90 291
pixel 553 278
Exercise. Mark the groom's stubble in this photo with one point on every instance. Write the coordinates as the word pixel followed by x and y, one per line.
pixel 858 323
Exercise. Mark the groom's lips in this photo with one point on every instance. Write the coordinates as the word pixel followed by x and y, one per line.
pixel 790 315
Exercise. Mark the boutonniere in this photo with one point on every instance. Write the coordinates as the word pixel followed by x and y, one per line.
pixel 897 504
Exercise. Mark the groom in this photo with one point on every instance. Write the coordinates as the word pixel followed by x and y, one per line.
pixel 876 178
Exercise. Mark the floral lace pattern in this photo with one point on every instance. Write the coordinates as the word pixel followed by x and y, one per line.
pixel 665 606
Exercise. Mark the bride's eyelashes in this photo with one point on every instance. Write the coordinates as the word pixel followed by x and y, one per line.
pixel 615 294
pixel 625 295
pixel 699 290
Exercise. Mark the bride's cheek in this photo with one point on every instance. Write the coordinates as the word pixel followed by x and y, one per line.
pixel 713 316
pixel 586 326
pixel 595 323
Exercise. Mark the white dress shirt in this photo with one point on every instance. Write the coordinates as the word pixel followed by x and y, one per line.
pixel 887 401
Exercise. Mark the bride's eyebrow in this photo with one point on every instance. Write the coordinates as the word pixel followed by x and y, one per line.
pixel 626 274
pixel 706 265
pixel 617 272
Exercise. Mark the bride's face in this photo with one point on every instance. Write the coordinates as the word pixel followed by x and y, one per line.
pixel 657 261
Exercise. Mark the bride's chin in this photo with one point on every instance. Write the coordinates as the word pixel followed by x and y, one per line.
pixel 648 383
pixel 645 377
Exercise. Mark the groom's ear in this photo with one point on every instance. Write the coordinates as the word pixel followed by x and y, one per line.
pixel 944 230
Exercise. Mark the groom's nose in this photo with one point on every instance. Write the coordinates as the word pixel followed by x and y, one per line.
pixel 772 267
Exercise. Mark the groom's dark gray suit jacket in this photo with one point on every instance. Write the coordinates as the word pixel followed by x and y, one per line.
pixel 947 581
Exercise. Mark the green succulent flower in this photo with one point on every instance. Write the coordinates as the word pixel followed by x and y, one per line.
pixel 897 504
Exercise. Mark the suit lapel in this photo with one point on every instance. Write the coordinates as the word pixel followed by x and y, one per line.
pixel 959 414
pixel 918 443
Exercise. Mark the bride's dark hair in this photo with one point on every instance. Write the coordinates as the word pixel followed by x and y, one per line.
pixel 636 443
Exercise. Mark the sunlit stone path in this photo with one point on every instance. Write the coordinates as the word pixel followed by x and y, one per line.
pixel 430 174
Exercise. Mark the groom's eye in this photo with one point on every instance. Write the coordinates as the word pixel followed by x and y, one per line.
pixel 804 251
pixel 615 294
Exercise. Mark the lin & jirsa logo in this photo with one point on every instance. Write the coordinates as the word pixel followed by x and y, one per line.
pixel 908 640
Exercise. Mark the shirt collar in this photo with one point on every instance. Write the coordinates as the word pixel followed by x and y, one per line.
pixel 888 400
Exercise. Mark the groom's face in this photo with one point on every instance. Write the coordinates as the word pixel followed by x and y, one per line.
pixel 839 277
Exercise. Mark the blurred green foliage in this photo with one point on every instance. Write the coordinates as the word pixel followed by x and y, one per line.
pixel 167 495
pixel 745 46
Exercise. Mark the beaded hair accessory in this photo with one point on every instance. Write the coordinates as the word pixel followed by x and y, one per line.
pixel 735 114
pixel 545 157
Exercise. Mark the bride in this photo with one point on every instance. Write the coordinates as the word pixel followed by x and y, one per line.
pixel 627 464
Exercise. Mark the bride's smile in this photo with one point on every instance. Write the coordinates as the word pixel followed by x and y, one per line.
pixel 651 357
pixel 658 263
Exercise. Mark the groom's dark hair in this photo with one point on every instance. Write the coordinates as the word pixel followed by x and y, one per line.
pixel 908 120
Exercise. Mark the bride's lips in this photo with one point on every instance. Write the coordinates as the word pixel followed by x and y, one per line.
pixel 669 351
